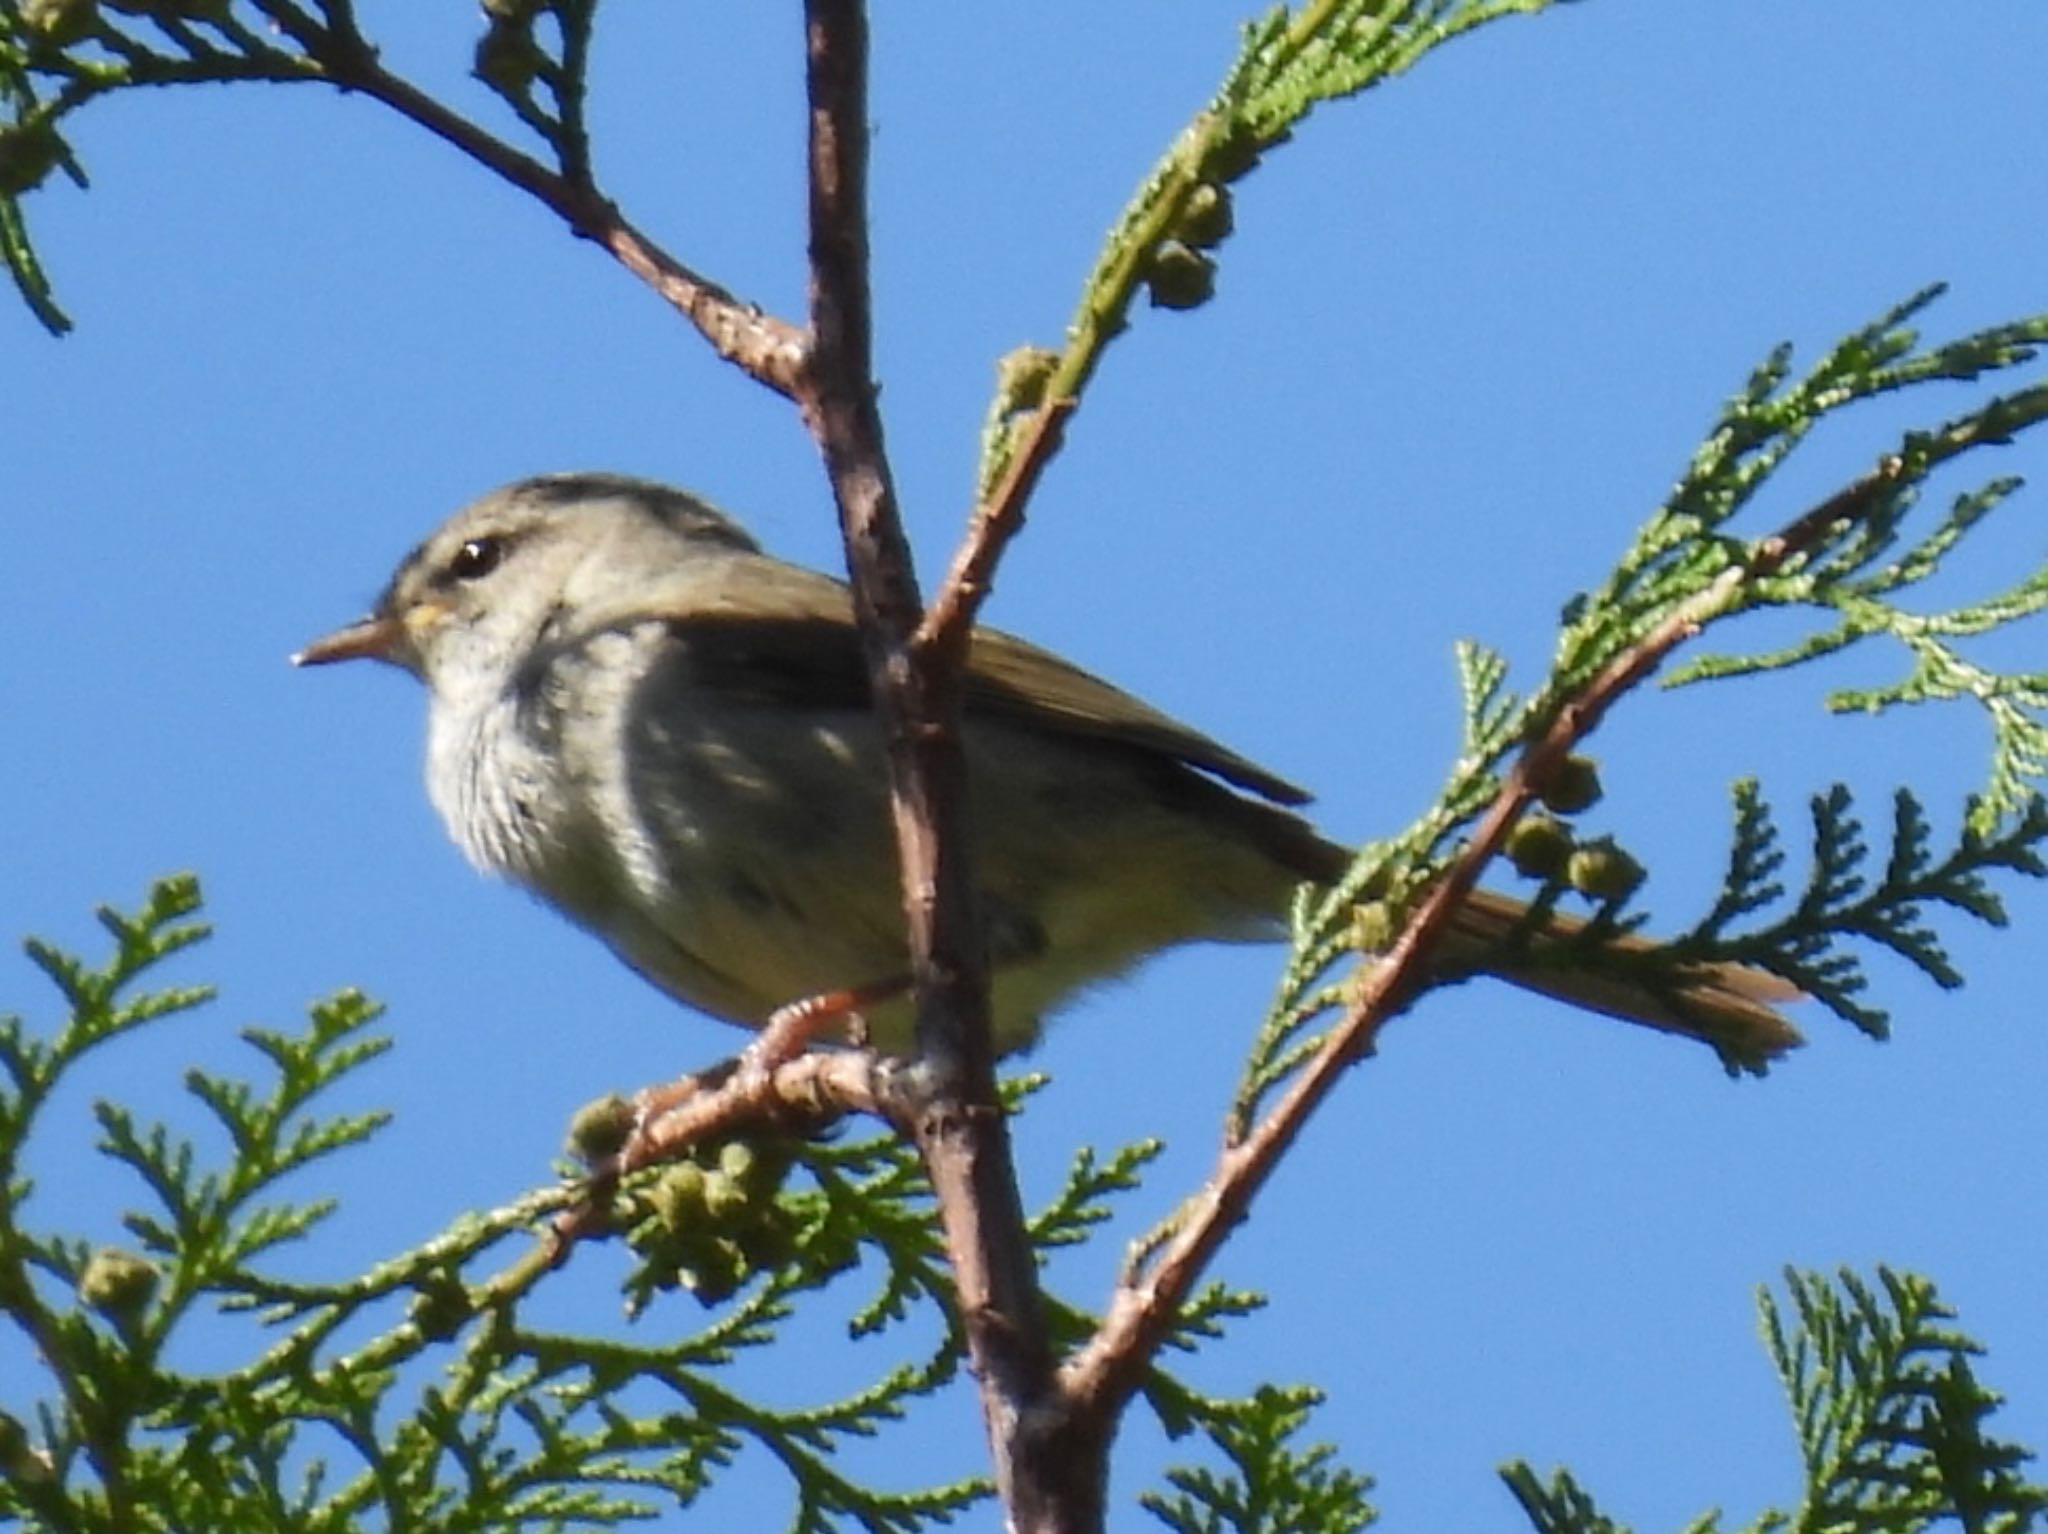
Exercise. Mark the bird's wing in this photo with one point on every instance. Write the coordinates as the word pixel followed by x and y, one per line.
pixel 755 624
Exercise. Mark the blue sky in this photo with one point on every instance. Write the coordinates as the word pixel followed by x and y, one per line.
pixel 1469 330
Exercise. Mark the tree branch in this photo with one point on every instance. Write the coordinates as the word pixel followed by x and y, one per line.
pixel 958 1123
pixel 1101 1378
pixel 767 349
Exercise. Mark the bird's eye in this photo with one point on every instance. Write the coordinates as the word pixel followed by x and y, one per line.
pixel 476 558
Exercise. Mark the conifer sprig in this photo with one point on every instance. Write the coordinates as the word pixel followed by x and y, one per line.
pixel 1687 571
pixel 1267 1484
pixel 59 56
pixel 337 1418
pixel 1843 903
pixel 1891 1418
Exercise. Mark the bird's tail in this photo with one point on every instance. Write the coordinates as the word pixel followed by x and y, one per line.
pixel 1730 1007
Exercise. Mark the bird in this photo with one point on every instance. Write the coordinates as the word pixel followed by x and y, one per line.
pixel 666 734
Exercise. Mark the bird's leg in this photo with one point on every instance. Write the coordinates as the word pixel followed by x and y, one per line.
pixel 789 1031
pixel 795 1027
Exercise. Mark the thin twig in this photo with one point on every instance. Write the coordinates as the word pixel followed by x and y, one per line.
pixel 998 519
pixel 767 349
pixel 1101 1377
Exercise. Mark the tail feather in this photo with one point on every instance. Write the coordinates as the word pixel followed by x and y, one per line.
pixel 1730 1007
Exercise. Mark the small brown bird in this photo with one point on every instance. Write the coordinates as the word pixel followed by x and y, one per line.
pixel 665 733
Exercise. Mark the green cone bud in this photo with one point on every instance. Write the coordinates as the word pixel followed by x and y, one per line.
pixel 1372 926
pixel 1235 155
pixel 119 1284
pixel 1539 846
pixel 1574 785
pixel 1603 871
pixel 738 1160
pixel 507 57
pixel 679 1196
pixel 599 1130
pixel 713 1275
pixel 724 1196
pixel 1230 157
pixel 1180 278
pixel 1207 219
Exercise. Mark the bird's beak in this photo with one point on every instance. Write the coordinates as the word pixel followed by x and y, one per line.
pixel 372 638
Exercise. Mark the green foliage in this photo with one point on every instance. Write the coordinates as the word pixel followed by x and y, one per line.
pixel 1263 1483
pixel 1810 945
pixel 1558 1506
pixel 1270 1486
pixel 1289 62
pixel 1855 578
pixel 57 56
pixel 1292 62
pixel 1082 1204
pixel 1890 1416
pixel 531 1428
pixel 415 1395
pixel 1687 571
